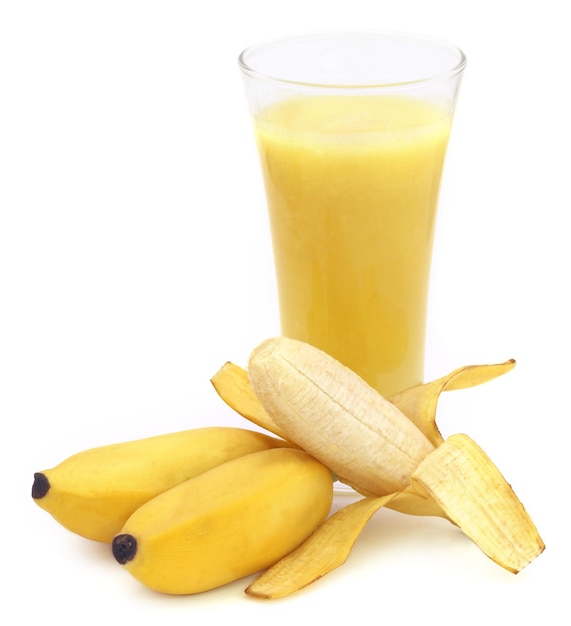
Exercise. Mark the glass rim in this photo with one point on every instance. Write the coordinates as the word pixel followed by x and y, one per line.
pixel 454 69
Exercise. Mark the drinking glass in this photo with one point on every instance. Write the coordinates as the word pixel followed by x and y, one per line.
pixel 352 130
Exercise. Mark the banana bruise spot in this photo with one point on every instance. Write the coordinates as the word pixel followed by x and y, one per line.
pixel 41 486
pixel 124 548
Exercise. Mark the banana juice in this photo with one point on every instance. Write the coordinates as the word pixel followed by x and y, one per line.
pixel 352 186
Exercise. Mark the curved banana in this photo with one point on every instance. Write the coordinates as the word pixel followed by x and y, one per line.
pixel 333 414
pixel 227 523
pixel 94 492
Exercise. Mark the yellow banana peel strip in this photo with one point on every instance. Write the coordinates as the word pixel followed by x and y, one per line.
pixel 474 494
pixel 325 550
pixel 232 384
pixel 419 403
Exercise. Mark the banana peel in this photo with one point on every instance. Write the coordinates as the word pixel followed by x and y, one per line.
pixel 419 403
pixel 456 481
pixel 233 385
pixel 474 494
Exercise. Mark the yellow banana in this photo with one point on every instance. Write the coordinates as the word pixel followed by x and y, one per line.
pixel 331 412
pixel 226 523
pixel 94 492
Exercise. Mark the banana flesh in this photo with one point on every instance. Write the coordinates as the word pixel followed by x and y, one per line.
pixel 227 523
pixel 330 412
pixel 94 492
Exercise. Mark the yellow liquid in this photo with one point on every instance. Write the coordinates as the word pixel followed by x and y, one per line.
pixel 352 186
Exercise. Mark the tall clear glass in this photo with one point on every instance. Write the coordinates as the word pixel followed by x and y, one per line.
pixel 352 130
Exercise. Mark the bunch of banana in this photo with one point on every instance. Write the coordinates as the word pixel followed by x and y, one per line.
pixel 229 522
pixel 389 450
pixel 194 510
pixel 94 492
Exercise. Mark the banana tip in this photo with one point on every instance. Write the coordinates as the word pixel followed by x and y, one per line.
pixel 124 548
pixel 41 486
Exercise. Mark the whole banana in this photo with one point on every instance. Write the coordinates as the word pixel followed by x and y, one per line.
pixel 226 523
pixel 94 492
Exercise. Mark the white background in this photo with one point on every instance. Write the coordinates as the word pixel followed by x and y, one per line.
pixel 135 260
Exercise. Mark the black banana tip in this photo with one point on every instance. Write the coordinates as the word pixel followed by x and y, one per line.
pixel 124 548
pixel 40 487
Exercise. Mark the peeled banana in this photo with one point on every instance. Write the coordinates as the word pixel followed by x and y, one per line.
pixel 311 399
pixel 229 522
pixel 94 492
